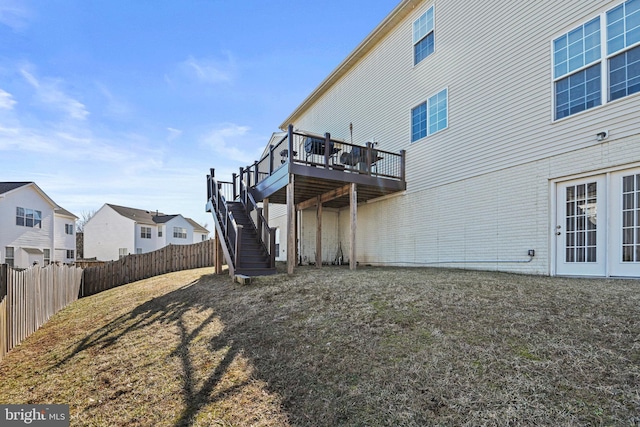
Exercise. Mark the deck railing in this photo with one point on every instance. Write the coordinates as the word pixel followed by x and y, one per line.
pixel 323 151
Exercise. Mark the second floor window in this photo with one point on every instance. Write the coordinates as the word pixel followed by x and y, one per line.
pixel 68 229
pixel 430 116
pixel 145 232
pixel 597 62
pixel 160 231
pixel 179 233
pixel 28 217
pixel 423 36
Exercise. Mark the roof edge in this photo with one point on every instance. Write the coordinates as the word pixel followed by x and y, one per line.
pixel 390 22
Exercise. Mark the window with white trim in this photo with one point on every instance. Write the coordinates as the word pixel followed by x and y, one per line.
pixel 583 65
pixel 71 254
pixel 68 229
pixel 179 232
pixel 122 252
pixel 28 217
pixel 429 117
pixel 145 232
pixel 423 36
pixel 47 256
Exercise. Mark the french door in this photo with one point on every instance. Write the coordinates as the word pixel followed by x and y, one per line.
pixel 597 227
pixel 625 223
pixel 581 227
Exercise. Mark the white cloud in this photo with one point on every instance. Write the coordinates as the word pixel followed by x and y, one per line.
pixel 14 14
pixel 173 134
pixel 6 100
pixel 233 142
pixel 115 107
pixel 209 71
pixel 48 93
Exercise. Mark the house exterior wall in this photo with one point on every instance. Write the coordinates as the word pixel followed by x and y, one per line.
pixel 64 242
pixel 480 192
pixel 106 232
pixel 20 237
pixel 143 244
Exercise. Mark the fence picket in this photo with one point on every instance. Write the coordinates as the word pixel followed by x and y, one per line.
pixel 142 266
pixel 29 298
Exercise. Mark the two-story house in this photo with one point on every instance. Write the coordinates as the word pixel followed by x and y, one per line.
pixel 33 228
pixel 519 124
pixel 116 231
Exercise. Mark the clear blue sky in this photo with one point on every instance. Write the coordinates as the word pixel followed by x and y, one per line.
pixel 131 102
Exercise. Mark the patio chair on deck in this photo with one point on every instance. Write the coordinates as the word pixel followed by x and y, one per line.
pixel 315 146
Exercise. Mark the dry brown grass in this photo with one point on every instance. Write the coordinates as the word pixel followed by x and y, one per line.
pixel 330 347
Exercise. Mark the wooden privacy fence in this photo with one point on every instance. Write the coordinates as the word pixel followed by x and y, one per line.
pixel 30 297
pixel 142 266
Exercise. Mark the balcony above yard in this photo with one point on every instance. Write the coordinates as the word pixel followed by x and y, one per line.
pixel 322 166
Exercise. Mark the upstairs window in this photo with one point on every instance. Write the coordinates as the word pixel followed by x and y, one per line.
pixel 68 229
pixel 429 117
pixel 28 218
pixel 577 79
pixel 179 233
pixel 597 62
pixel 623 41
pixel 145 232
pixel 423 36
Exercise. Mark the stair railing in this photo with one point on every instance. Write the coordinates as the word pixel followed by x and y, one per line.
pixel 226 224
pixel 266 234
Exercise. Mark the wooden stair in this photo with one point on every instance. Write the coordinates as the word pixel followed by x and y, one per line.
pixel 254 259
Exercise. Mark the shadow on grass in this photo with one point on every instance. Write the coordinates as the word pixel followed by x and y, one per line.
pixel 411 347
pixel 170 310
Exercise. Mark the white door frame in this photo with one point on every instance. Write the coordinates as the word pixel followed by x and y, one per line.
pixel 610 247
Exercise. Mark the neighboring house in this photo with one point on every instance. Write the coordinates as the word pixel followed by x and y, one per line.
pixel 33 228
pixel 116 231
pixel 520 123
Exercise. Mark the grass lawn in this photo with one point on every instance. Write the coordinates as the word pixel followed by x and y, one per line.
pixel 332 347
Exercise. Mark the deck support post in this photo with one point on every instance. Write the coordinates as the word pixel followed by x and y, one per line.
pixel 319 233
pixel 291 227
pixel 353 210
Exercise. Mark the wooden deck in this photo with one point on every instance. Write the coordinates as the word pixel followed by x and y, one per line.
pixel 322 166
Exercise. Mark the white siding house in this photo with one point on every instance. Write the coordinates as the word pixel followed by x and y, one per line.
pixel 521 125
pixel 116 231
pixel 33 228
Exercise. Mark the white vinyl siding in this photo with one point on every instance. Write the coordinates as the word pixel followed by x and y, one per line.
pixel 499 104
